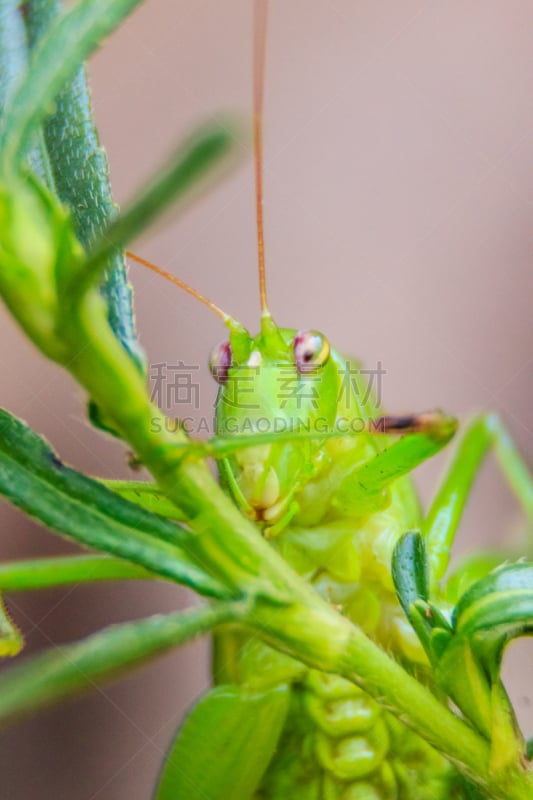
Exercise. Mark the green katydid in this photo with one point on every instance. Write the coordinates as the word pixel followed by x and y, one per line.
pixel 334 506
pixel 281 723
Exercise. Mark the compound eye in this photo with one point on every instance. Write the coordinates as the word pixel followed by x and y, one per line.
pixel 220 362
pixel 311 351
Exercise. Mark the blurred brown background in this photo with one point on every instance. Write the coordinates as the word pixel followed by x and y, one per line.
pixel 398 204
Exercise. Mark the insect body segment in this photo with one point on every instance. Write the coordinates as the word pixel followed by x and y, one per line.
pixel 355 750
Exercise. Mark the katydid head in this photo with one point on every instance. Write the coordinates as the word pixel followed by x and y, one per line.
pixel 280 381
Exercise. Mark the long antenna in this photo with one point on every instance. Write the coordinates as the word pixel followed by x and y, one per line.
pixel 181 284
pixel 260 30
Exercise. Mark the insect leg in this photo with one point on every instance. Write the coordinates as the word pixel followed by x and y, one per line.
pixel 433 423
pixel 71 668
pixel 364 489
pixel 43 573
pixel 440 524
pixel 225 744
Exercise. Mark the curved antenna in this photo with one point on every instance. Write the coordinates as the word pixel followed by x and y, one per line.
pixel 182 285
pixel 260 30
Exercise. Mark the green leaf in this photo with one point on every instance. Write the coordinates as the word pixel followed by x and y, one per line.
pixel 68 42
pixel 72 668
pixel 205 148
pixel 495 610
pixel 463 679
pixel 471 570
pixel 483 699
pixel 410 570
pixel 13 51
pixel 499 606
pixel 148 496
pixel 37 244
pixel 34 479
pixel 410 574
pixel 13 62
pixel 225 745
pixel 81 177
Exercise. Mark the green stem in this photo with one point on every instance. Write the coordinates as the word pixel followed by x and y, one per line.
pixel 419 709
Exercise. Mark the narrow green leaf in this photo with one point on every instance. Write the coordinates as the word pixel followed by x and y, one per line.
pixel 462 677
pixel 499 604
pixel 495 610
pixel 43 573
pixel 33 478
pixel 81 177
pixel 68 42
pixel 13 63
pixel 13 54
pixel 225 745
pixel 206 148
pixel 471 570
pixel 410 570
pixel 72 668
pixel 411 581
pixel 482 699
pixel 148 496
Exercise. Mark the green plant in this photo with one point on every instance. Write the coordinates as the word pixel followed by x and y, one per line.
pixel 298 658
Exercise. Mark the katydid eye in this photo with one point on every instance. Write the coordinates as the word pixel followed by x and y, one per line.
pixel 220 362
pixel 311 351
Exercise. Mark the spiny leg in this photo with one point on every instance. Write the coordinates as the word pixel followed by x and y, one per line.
pixel 364 488
pixel 441 522
pixel 62 671
pixel 44 573
pixel 434 424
